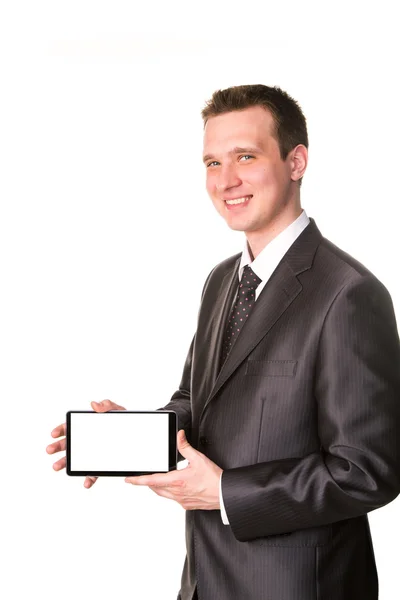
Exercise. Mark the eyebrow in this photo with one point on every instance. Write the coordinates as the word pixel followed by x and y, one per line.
pixel 236 150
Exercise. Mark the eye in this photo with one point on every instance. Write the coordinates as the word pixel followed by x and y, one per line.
pixel 243 156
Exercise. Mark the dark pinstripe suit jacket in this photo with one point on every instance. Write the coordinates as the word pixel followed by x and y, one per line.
pixel 303 418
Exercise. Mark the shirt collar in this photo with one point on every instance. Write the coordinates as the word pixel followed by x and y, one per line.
pixel 273 252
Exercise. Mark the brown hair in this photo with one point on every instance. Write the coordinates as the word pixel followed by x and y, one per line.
pixel 290 122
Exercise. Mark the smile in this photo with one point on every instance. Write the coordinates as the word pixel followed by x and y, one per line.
pixel 236 201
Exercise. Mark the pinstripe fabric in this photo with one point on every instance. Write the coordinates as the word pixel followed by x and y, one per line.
pixel 302 418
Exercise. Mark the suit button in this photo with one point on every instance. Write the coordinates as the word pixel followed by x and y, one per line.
pixel 204 441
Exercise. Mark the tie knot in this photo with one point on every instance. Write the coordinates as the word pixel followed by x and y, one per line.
pixel 249 279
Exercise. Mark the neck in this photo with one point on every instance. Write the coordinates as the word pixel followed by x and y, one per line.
pixel 258 240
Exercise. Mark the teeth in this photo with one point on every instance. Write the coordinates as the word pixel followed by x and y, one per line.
pixel 238 200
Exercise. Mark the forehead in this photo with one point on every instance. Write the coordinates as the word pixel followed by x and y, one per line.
pixel 249 126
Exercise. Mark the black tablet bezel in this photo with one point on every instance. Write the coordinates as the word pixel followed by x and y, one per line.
pixel 172 446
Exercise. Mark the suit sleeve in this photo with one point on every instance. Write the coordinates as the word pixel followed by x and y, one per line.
pixel 357 390
pixel 181 400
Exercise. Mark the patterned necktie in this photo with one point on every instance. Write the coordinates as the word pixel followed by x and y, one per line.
pixel 245 299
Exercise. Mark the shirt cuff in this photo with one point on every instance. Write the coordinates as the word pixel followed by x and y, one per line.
pixel 221 502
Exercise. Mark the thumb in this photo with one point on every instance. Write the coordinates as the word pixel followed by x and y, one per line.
pixel 184 447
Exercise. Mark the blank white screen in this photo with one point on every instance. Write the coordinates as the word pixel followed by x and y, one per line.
pixel 119 442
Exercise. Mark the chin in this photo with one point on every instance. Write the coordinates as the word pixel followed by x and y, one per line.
pixel 236 227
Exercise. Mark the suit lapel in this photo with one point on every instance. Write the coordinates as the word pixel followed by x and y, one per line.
pixel 221 314
pixel 274 299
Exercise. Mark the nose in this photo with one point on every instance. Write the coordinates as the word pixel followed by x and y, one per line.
pixel 227 178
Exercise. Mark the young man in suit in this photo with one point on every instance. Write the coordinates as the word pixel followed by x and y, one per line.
pixel 290 394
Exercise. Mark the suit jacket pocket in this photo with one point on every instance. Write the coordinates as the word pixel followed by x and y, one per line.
pixel 312 537
pixel 271 368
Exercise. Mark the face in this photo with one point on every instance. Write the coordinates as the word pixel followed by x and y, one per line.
pixel 251 187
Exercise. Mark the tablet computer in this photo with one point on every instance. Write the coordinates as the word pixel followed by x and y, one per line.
pixel 121 442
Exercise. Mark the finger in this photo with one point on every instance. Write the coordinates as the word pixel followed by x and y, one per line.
pixel 156 480
pixel 172 492
pixel 162 492
pixel 59 431
pixel 60 464
pixel 190 506
pixel 57 446
pixel 89 481
pixel 105 406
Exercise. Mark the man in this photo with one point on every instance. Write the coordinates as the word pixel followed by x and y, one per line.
pixel 290 394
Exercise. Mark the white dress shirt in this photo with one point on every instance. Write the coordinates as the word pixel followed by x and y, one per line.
pixel 263 266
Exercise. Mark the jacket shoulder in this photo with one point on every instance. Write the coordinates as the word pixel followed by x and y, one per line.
pixel 339 257
pixel 342 269
pixel 226 265
pixel 217 274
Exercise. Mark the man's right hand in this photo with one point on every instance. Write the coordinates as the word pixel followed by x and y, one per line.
pixel 58 446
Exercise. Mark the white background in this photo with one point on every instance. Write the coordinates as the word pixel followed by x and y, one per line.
pixel 103 200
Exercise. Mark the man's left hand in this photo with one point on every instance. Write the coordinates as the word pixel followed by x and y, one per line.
pixel 195 488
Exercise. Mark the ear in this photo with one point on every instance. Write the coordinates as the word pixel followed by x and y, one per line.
pixel 298 161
